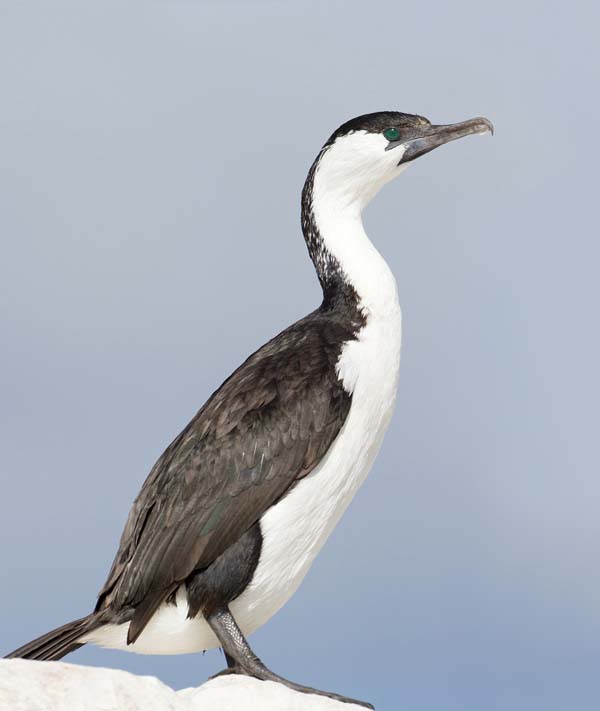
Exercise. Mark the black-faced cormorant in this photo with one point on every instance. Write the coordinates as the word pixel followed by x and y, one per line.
pixel 234 512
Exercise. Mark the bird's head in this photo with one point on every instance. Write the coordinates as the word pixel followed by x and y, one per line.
pixel 370 150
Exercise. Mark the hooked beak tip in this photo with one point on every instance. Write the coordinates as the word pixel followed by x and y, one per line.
pixel 486 125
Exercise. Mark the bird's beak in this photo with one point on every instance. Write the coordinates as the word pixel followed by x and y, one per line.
pixel 433 136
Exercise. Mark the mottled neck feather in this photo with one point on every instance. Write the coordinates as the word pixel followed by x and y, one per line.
pixel 350 270
pixel 333 281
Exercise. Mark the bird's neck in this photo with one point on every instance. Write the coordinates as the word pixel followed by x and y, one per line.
pixel 350 269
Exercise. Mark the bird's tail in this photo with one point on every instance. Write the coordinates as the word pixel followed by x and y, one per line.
pixel 58 642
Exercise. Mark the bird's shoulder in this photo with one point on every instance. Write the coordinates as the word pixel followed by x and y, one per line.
pixel 281 379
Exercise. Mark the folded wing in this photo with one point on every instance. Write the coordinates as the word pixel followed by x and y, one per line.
pixel 265 428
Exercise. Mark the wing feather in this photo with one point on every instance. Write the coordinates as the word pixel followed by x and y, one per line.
pixel 267 426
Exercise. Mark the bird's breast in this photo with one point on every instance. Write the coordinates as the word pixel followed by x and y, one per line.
pixel 295 529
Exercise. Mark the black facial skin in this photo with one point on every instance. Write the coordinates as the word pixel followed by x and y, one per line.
pixel 416 133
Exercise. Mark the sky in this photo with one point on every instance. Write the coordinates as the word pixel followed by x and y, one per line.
pixel 151 162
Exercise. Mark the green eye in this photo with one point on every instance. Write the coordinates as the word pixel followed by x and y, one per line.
pixel 392 134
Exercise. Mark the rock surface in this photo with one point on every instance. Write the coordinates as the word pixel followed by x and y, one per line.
pixel 56 686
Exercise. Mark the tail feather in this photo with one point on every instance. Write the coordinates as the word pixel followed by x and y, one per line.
pixel 56 643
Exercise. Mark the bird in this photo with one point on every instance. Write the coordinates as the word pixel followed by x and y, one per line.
pixel 234 512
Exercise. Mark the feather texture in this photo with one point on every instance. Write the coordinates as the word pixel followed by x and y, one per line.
pixel 265 428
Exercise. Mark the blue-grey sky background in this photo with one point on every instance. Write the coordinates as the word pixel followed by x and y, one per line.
pixel 151 160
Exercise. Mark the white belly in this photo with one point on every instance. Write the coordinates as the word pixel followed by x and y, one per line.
pixel 295 529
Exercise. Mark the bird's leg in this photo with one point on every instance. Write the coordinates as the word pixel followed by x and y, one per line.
pixel 246 662
pixel 231 663
pixel 232 667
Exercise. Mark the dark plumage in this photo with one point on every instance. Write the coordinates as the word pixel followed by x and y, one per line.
pixel 262 430
pixel 378 122
pixel 265 428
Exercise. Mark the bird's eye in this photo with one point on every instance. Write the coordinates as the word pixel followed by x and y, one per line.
pixel 392 134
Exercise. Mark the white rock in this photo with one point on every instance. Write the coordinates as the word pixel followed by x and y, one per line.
pixel 56 686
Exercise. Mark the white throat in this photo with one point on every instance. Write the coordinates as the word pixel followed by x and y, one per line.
pixel 347 177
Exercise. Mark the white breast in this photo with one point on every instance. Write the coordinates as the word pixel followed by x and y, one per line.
pixel 296 528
